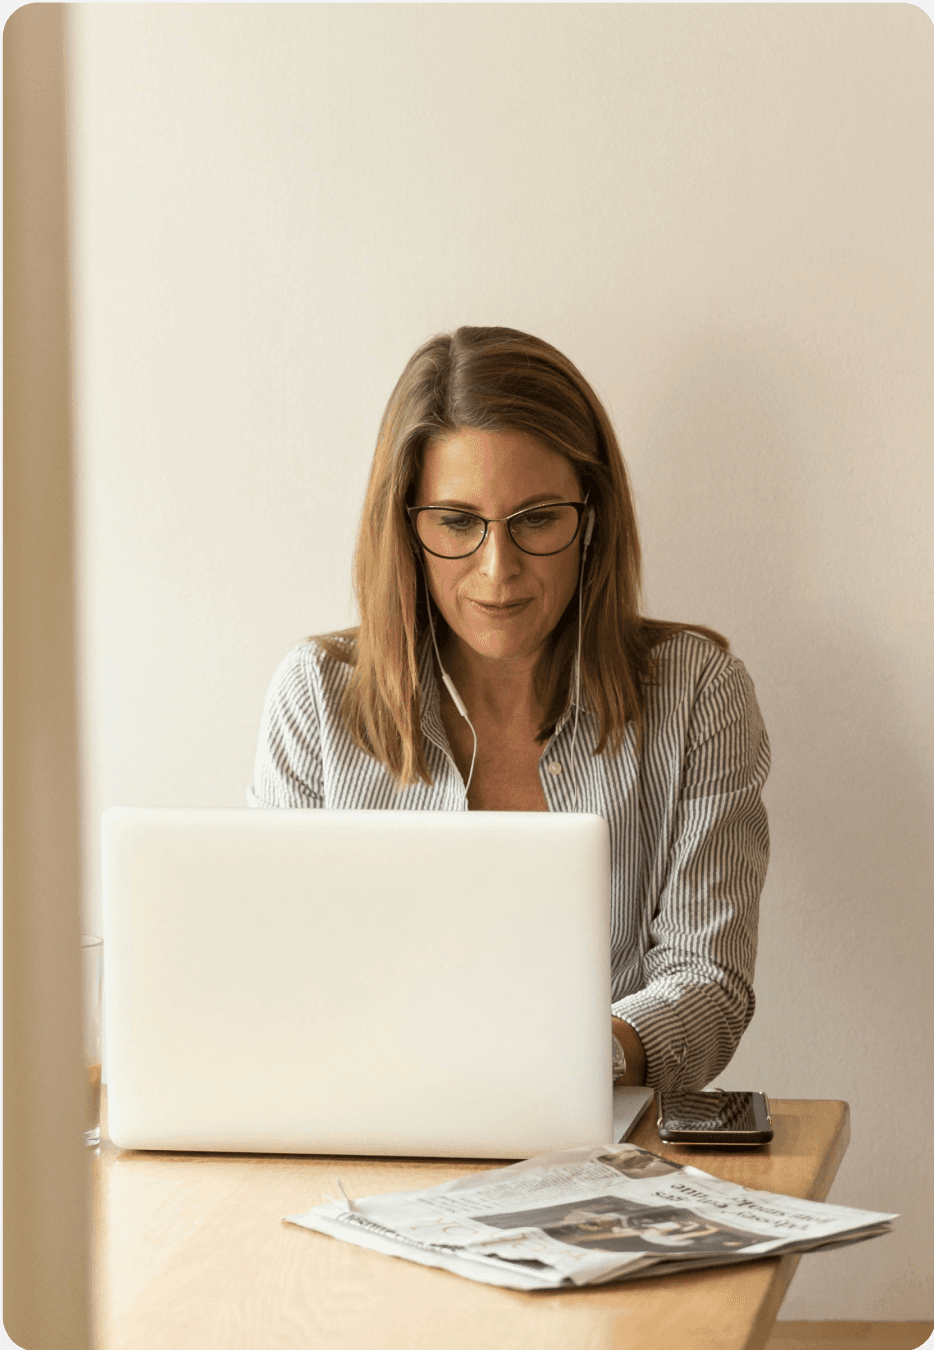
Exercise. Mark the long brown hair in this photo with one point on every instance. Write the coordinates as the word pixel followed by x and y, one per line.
pixel 494 379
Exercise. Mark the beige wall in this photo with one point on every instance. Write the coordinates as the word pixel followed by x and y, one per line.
pixel 46 1167
pixel 724 215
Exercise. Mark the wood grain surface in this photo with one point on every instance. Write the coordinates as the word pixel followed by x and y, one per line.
pixel 191 1251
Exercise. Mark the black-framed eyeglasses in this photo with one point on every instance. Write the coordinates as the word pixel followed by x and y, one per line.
pixel 448 532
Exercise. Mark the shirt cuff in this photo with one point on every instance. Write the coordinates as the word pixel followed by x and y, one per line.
pixel 663 1037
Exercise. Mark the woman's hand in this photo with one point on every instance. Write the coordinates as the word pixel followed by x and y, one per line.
pixel 635 1054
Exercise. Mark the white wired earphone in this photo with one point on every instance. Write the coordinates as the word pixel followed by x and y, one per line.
pixel 591 517
pixel 459 702
pixel 448 682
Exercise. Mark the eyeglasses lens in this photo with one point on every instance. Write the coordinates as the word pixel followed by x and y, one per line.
pixel 455 534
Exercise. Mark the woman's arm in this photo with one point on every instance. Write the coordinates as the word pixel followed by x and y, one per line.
pixel 697 999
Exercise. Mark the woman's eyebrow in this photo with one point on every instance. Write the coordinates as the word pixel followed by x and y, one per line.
pixel 537 500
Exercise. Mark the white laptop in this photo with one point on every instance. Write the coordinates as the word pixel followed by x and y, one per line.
pixel 426 984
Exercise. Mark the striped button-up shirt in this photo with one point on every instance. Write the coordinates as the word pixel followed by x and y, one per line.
pixel 688 830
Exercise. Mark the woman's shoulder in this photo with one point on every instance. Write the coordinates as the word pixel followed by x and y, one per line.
pixel 699 684
pixel 690 662
pixel 318 663
pixel 703 702
pixel 328 649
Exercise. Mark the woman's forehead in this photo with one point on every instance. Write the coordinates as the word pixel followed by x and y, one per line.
pixel 494 469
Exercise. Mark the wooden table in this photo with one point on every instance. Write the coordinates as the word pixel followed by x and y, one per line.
pixel 191 1253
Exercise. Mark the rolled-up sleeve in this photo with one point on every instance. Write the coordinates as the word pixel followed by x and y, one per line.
pixel 697 999
pixel 287 772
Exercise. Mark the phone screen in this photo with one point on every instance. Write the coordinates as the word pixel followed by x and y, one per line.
pixel 710 1111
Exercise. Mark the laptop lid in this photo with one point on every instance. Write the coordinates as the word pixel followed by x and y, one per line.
pixel 428 984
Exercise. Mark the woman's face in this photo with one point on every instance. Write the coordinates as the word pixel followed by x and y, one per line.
pixel 500 602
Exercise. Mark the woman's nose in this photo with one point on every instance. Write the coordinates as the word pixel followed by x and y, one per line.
pixel 498 556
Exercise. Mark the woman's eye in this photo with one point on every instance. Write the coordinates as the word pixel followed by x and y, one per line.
pixel 537 520
pixel 458 522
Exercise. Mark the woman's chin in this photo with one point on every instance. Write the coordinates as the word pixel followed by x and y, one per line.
pixel 498 646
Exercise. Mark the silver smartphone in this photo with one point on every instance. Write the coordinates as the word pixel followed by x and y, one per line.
pixel 733 1118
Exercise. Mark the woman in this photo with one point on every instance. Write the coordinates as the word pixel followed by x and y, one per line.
pixel 529 681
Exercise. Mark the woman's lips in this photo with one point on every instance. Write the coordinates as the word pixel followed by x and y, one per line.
pixel 500 610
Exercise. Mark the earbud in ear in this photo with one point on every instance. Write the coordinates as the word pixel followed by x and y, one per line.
pixel 591 517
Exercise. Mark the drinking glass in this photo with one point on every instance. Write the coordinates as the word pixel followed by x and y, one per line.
pixel 92 952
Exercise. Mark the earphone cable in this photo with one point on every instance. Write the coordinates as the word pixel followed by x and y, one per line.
pixel 577 696
pixel 449 683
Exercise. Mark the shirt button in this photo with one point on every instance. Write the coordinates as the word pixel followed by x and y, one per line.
pixel 554 768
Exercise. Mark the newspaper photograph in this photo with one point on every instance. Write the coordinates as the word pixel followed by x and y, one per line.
pixel 587 1216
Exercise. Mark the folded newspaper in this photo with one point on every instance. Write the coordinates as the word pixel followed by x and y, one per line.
pixel 587 1216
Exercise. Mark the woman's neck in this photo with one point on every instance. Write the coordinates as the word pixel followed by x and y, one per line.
pixel 495 690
